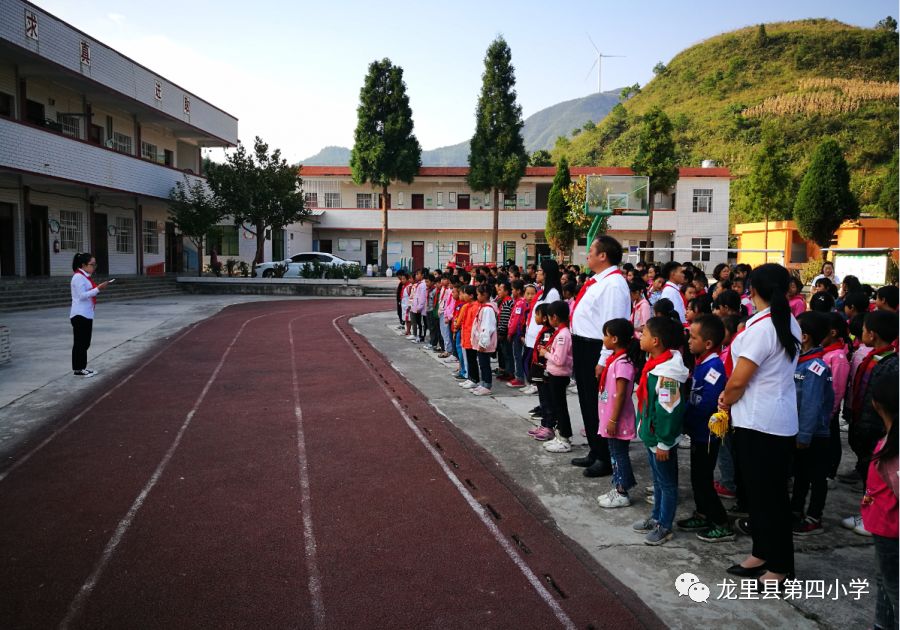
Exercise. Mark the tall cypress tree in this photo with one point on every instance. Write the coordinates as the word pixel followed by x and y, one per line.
pixel 824 200
pixel 497 157
pixel 559 232
pixel 656 158
pixel 384 146
pixel 770 185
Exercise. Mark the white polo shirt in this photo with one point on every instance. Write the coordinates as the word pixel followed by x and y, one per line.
pixel 769 403
pixel 607 298
pixel 83 295
pixel 534 328
pixel 673 293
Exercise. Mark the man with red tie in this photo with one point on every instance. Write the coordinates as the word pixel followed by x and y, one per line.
pixel 603 297
pixel 673 272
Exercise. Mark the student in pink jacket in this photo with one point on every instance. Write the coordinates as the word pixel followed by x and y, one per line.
pixel 484 338
pixel 419 304
pixel 558 354
pixel 835 358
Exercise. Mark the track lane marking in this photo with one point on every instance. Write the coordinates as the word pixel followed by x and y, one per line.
pixel 88 587
pixel 312 568
pixel 476 507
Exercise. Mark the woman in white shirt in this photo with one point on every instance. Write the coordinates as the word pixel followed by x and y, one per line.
pixel 763 404
pixel 548 276
pixel 81 315
pixel 827 271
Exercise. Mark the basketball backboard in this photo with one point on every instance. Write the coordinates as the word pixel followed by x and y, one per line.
pixel 609 195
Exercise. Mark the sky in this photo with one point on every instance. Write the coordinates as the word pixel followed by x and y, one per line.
pixel 291 71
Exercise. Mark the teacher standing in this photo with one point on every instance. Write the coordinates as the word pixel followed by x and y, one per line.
pixel 81 315
pixel 603 297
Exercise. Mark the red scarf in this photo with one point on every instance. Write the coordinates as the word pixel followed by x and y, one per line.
pixel 729 364
pixel 683 299
pixel 537 296
pixel 609 362
pixel 838 345
pixel 863 373
pixel 535 355
pixel 806 358
pixel 703 357
pixel 642 393
pixel 93 284
pixel 584 288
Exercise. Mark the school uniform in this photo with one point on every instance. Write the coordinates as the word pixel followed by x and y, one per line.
pixel 445 315
pixel 556 378
pixel 618 366
pixel 706 384
pixel 671 291
pixel 419 301
pixel 765 429
pixel 515 332
pixel 484 340
pixel 504 347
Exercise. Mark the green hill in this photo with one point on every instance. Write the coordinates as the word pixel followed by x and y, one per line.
pixel 801 82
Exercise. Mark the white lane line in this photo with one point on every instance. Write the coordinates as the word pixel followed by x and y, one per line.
pixel 309 539
pixel 88 587
pixel 535 582
pixel 97 401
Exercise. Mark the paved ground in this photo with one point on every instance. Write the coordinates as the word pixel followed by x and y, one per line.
pixel 266 468
pixel 499 424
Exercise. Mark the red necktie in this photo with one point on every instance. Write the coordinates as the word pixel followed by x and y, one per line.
pixel 580 295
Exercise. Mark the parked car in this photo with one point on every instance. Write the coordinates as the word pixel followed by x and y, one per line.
pixel 298 260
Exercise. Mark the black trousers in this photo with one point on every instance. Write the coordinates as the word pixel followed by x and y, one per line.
pixel 585 354
pixel 82 328
pixel 400 314
pixel 472 365
pixel 835 448
pixel 863 438
pixel 418 326
pixel 811 467
pixel 764 463
pixel 555 387
pixel 703 466
pixel 434 330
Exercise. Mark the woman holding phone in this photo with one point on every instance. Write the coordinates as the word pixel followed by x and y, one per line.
pixel 81 315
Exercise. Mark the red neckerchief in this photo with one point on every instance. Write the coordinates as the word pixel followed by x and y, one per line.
pixel 675 286
pixel 729 364
pixel 863 372
pixel 838 345
pixel 806 358
pixel 534 353
pixel 584 288
pixel 648 367
pixel 703 357
pixel 612 359
pixel 91 280
pixel 537 296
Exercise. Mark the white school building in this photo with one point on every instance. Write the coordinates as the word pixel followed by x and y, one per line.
pixel 91 143
pixel 438 216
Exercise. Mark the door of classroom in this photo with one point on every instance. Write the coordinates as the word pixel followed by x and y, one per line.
pixel 372 252
pixel 325 245
pixel 37 248
pixel 509 251
pixel 418 254
pixel 418 201
pixel 462 253
pixel 7 241
pixel 463 202
pixel 100 243
pixel 174 244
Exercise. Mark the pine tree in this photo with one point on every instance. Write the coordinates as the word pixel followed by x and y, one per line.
pixel 497 157
pixel 762 38
pixel 769 185
pixel 888 199
pixel 384 146
pixel 656 158
pixel 824 200
pixel 559 232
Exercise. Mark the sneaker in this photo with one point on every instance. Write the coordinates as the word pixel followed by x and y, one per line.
pixel 534 431
pixel 613 499
pixel 644 526
pixel 809 526
pixel 84 373
pixel 515 383
pixel 843 426
pixel 743 526
pixel 558 445
pixel 535 410
pixel 658 536
pixel 459 377
pixel 716 533
pixel 443 355
pixel 723 492
pixel 504 377
pixel 410 337
pixel 90 371
pixel 685 442
pixel 861 530
pixel 694 523
pixel 855 523
pixel 529 389
pixel 649 490
pixel 481 391
pixel 543 434
pixel 467 384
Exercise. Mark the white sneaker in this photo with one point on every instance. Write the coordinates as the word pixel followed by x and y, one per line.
pixel 410 337
pixel 481 391
pixel 529 389
pixel 843 426
pixel 84 373
pixel 685 442
pixel 558 444
pixel 855 523
pixel 469 385
pixel 613 499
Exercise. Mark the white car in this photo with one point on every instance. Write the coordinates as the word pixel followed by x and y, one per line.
pixel 296 261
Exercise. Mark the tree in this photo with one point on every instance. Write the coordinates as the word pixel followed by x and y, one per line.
pixel 540 157
pixel 575 196
pixel 629 91
pixel 589 125
pixel 497 157
pixel 384 146
pixel 887 24
pixel 769 185
pixel 656 158
pixel 659 68
pixel 887 200
pixel 261 191
pixel 195 211
pixel 559 232
pixel 762 37
pixel 824 200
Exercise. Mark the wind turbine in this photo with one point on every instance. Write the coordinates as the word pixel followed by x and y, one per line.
pixel 599 63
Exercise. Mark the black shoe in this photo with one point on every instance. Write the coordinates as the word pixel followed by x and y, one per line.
pixel 535 410
pixel 743 526
pixel 598 469
pixel 744 572
pixel 583 462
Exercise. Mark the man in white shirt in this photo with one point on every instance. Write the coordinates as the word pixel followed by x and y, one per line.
pixel 603 297
pixel 673 272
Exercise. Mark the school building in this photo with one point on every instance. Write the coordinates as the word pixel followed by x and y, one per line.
pixel 439 216
pixel 91 143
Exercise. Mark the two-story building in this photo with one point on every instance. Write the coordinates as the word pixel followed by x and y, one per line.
pixel 438 216
pixel 91 143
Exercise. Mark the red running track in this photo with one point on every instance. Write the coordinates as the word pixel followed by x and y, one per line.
pixel 268 469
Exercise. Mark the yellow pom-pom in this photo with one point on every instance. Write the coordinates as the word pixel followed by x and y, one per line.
pixel 719 423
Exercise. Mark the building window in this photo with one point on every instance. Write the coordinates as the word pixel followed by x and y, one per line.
pixel 224 240
pixel 124 235
pixel 70 125
pixel 509 201
pixel 703 200
pixel 121 142
pixel 440 199
pixel 151 238
pixel 312 200
pixel 363 200
pixel 332 200
pixel 71 230
pixel 650 254
pixel 400 199
pixel 700 247
pixel 149 151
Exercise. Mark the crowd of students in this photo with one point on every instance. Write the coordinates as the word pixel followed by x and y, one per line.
pixel 756 379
